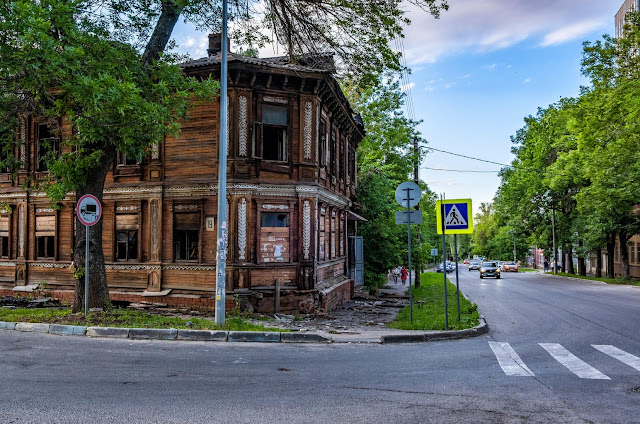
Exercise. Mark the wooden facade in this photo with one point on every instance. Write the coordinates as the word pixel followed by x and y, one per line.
pixel 291 183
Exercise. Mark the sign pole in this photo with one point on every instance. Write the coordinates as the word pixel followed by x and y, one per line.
pixel 86 270
pixel 409 244
pixel 455 247
pixel 444 263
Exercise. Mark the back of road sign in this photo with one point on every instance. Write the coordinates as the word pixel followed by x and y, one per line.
pixel 457 216
pixel 409 217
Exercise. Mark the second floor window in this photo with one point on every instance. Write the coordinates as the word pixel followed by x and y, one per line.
pixel 123 159
pixel 274 133
pixel 48 147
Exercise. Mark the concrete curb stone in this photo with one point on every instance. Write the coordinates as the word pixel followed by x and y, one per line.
pixel 403 338
pixel 304 338
pixel 32 327
pixel 67 330
pixel 429 336
pixel 153 333
pixel 7 325
pixel 110 332
pixel 203 335
pixel 254 336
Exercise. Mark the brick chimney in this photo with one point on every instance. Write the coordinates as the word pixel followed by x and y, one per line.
pixel 215 44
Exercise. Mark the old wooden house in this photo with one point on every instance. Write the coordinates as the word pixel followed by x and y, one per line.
pixel 291 185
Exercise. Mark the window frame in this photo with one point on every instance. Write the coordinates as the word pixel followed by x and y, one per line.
pixel 41 166
pixel 177 236
pixel 284 142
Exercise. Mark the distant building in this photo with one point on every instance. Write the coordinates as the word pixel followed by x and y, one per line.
pixel 627 6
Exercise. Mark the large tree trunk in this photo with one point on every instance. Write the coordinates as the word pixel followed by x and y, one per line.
pixel 624 254
pixel 582 265
pixel 98 288
pixel 569 259
pixel 599 263
pixel 611 247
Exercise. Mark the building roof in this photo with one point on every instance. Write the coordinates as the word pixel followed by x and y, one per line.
pixel 322 64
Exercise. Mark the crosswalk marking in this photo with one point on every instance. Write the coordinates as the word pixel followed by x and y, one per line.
pixel 572 362
pixel 509 360
pixel 620 355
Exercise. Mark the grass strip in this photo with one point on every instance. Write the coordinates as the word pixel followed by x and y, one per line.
pixel 621 281
pixel 428 307
pixel 126 318
pixel 527 270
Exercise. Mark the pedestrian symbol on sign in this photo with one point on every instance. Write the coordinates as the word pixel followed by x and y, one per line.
pixel 454 217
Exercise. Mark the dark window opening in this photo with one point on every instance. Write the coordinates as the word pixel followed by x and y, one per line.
pixel 332 147
pixel 322 137
pixel 48 147
pixel 4 247
pixel 127 245
pixel 275 219
pixel 123 159
pixel 185 243
pixel 274 133
pixel 341 159
pixel 45 247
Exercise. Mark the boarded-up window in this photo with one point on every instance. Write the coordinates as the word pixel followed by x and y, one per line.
pixel 186 236
pixel 4 236
pixel 274 237
pixel 322 238
pixel 127 222
pixel 45 226
pixel 333 234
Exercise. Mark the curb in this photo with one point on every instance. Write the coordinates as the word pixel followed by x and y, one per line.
pixel 430 336
pixel 230 336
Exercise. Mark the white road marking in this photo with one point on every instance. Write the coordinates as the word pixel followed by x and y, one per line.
pixel 509 360
pixel 572 362
pixel 620 355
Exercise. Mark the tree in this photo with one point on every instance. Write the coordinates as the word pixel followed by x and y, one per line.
pixel 104 67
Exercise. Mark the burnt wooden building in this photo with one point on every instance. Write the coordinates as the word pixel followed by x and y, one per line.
pixel 292 141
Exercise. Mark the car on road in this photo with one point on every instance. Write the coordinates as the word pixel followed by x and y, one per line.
pixel 490 269
pixel 474 265
pixel 500 263
pixel 510 267
pixel 466 262
pixel 450 267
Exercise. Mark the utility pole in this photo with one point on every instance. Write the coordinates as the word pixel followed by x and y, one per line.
pixel 221 250
pixel 553 233
pixel 416 162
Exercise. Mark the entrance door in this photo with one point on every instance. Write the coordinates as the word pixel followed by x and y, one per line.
pixel 356 260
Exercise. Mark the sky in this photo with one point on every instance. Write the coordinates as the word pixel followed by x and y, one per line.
pixel 477 72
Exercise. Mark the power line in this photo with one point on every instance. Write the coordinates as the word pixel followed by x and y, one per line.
pixel 459 170
pixel 467 157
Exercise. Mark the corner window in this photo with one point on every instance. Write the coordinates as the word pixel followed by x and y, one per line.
pixel 322 140
pixel 332 146
pixel 322 237
pixel 186 236
pixel 48 147
pixel 274 133
pixel 274 237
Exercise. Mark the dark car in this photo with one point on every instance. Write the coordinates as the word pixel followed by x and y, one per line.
pixel 490 269
pixel 474 265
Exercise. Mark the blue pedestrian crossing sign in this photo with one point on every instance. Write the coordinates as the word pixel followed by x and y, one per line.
pixel 457 216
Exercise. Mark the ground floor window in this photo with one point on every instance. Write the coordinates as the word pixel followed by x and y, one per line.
pixel 274 237
pixel 127 245
pixel 45 247
pixel 186 236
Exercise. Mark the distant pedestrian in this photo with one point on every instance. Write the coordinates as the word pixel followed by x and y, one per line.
pixel 404 274
pixel 396 273
pixel 546 266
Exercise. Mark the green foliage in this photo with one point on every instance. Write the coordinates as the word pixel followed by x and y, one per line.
pixel 428 310
pixel 579 157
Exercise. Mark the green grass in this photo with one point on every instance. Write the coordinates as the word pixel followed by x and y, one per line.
pixel 527 270
pixel 603 279
pixel 126 318
pixel 428 307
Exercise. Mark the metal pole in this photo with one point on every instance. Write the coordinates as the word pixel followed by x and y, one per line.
pixel 553 232
pixel 444 263
pixel 514 249
pixel 455 247
pixel 409 246
pixel 86 271
pixel 221 254
pixel 416 164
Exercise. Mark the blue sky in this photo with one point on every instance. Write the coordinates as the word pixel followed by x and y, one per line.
pixel 478 71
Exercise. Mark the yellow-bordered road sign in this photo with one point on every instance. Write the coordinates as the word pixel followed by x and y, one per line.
pixel 457 216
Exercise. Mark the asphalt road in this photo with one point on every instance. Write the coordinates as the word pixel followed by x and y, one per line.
pixel 53 379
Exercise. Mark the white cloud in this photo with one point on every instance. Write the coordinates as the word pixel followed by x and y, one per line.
pixel 484 25
pixel 526 80
pixel 491 67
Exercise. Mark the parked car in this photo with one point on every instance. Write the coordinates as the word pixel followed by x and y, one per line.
pixel 474 265
pixel 490 269
pixel 510 267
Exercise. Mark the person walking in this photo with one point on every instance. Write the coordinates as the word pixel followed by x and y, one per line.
pixel 546 266
pixel 395 274
pixel 404 274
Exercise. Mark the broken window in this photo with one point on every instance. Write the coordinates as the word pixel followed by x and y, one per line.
pixel 4 235
pixel 127 237
pixel 186 236
pixel 45 236
pixel 274 237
